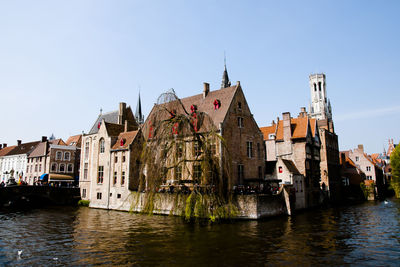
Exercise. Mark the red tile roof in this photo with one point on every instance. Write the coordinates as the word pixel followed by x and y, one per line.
pixel 75 140
pixel 127 138
pixel 266 131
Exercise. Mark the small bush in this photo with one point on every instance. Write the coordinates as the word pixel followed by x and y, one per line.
pixel 84 203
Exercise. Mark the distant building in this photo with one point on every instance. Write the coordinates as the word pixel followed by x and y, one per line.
pixel 3 166
pixel 15 161
pixel 352 177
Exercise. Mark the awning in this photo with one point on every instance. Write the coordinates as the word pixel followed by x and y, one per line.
pixel 53 177
pixel 44 176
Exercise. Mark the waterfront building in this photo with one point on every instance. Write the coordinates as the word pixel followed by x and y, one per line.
pixel 321 110
pixel 372 171
pixel 109 159
pixel 54 161
pixel 3 168
pixel 296 140
pixel 224 113
pixel 352 177
pixel 15 161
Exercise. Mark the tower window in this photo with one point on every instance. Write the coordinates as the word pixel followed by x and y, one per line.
pixel 319 86
pixel 315 87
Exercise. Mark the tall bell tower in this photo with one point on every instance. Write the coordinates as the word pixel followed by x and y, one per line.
pixel 320 106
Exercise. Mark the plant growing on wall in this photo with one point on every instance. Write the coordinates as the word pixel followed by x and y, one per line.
pixel 395 163
pixel 180 156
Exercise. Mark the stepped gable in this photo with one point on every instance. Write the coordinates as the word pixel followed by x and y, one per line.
pixel 127 137
pixel 24 148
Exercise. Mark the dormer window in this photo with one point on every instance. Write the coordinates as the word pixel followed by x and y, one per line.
pixel 271 136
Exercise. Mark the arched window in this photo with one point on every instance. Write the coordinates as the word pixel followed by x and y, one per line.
pixel 59 155
pixel 102 145
pixel 54 167
pixel 67 156
pixel 70 168
pixel 62 167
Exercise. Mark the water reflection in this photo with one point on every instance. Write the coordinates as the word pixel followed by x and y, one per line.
pixel 367 234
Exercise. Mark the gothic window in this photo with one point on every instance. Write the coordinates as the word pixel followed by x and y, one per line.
pixel 102 145
pixel 315 87
pixel 319 86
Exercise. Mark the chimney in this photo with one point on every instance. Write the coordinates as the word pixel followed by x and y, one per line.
pixel 206 89
pixel 121 112
pixel 44 138
pixel 4 145
pixel 273 122
pixel 361 147
pixel 19 142
pixel 287 130
pixel 238 83
pixel 303 112
pixel 126 126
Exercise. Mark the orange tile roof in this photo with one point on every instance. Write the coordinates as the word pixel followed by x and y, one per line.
pixel 127 138
pixel 313 125
pixel 299 128
pixel 266 131
pixel 6 150
pixel 76 139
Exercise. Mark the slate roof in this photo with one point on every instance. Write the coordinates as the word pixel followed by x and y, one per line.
pixel 127 137
pixel 111 117
pixel 114 129
pixel 6 150
pixel 25 148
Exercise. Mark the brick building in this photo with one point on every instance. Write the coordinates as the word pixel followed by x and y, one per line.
pixel 226 113
pixel 297 140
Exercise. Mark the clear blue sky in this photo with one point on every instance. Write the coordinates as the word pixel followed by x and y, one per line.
pixel 61 61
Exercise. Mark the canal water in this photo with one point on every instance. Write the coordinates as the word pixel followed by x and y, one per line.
pixel 362 235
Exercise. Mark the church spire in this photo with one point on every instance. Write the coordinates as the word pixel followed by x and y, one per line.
pixel 225 79
pixel 138 114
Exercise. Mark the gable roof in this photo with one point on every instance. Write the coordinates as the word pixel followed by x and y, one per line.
pixel 299 127
pixel 58 141
pixel 75 140
pixel 113 129
pixel 204 104
pixel 128 138
pixel 24 148
pixel 111 117
pixel 4 151
pixel 39 150
pixel 266 131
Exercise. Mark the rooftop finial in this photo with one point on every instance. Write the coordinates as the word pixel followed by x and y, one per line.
pixel 138 114
pixel 225 79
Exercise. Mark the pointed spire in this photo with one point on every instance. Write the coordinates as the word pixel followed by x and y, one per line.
pixel 138 114
pixel 225 79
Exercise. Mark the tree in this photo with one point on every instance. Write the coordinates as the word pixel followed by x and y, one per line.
pixel 395 163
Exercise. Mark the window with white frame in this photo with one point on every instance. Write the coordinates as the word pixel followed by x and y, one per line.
pixel 59 155
pixel 87 150
pixel 67 156
pixel 102 145
pixel 85 171
pixel 100 175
